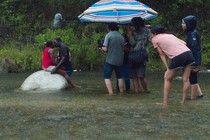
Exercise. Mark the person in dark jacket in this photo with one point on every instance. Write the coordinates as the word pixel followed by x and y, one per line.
pixel 193 43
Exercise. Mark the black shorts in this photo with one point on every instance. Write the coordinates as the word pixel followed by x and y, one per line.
pixel 183 60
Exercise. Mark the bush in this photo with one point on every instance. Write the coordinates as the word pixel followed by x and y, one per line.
pixel 206 55
pixel 28 58
pixel 82 42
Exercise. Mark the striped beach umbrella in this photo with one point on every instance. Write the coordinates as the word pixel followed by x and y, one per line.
pixel 118 11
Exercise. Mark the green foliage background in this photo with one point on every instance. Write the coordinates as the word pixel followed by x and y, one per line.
pixel 26 24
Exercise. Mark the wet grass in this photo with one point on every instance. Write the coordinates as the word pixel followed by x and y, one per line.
pixel 89 113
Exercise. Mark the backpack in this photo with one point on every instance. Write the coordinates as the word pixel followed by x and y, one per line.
pixel 140 56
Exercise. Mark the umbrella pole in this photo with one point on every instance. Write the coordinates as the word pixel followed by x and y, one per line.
pixel 117 16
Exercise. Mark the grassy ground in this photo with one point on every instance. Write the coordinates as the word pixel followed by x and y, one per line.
pixel 89 113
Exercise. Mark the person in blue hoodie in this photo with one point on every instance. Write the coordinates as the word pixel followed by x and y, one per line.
pixel 193 43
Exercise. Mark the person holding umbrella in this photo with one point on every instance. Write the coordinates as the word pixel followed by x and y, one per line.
pixel 114 46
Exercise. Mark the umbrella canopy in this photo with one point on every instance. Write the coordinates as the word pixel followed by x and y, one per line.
pixel 118 11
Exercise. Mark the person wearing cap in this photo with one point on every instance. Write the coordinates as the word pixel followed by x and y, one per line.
pixel 194 44
pixel 114 46
pixel 180 55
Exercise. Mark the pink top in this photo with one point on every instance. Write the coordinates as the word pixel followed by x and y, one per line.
pixel 170 44
pixel 46 60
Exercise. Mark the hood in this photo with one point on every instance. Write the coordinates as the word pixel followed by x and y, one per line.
pixel 190 22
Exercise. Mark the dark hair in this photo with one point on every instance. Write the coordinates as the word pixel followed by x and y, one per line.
pixel 49 43
pixel 113 27
pixel 158 30
pixel 137 21
pixel 58 39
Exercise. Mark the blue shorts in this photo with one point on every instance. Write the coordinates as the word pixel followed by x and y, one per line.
pixel 69 72
pixel 108 69
pixel 183 60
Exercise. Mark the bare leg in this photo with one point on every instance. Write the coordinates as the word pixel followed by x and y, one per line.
pixel 109 86
pixel 195 91
pixel 136 85
pixel 186 75
pixel 65 75
pixel 120 84
pixel 169 75
pixel 200 93
pixel 144 84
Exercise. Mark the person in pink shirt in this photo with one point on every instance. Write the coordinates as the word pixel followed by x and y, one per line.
pixel 180 55
pixel 48 63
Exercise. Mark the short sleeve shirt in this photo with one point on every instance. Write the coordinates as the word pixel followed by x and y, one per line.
pixel 115 43
pixel 64 52
pixel 170 45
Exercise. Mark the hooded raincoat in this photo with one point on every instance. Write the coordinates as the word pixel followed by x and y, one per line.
pixel 192 38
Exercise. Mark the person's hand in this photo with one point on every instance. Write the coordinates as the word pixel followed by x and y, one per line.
pixel 166 72
pixel 54 71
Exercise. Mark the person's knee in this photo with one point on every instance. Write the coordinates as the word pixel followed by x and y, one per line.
pixel 169 75
pixel 168 79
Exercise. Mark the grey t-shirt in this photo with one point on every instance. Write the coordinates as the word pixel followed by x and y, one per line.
pixel 115 43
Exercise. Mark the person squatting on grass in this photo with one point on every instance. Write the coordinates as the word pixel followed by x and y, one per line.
pixel 180 55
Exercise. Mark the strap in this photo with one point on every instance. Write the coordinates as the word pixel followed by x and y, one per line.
pixel 140 42
pixel 143 38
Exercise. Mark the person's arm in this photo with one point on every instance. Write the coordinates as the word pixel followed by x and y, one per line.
pixel 58 65
pixel 149 35
pixel 63 58
pixel 52 56
pixel 193 42
pixel 105 43
pixel 61 62
pixel 130 35
pixel 163 57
